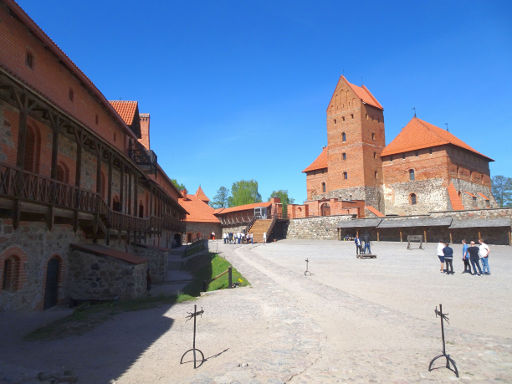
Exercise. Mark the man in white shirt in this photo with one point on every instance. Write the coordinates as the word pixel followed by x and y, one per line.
pixel 264 237
pixel 440 253
pixel 483 252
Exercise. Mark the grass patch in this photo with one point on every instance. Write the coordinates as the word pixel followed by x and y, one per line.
pixel 88 316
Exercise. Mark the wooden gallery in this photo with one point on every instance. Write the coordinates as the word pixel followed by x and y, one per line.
pixel 85 209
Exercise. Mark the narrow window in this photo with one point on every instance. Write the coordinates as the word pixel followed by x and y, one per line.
pixel 412 199
pixel 334 121
pixel 411 174
pixel 29 60
pixel 374 155
pixel 416 153
pixel 97 119
pixel 352 115
pixel 345 175
pixel 343 118
pixel 430 151
pixel 344 156
pixel 323 187
pixel 403 156
pixel 375 175
pixel 10 281
pixel 71 94
pixel 343 137
pixel 115 137
pixel 367 118
pixel 373 136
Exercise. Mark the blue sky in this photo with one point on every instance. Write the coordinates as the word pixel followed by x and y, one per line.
pixel 239 89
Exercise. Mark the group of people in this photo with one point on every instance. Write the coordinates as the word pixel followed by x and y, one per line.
pixel 471 254
pixel 362 247
pixel 238 238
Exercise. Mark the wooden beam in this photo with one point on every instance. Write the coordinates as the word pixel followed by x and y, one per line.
pixel 135 192
pixel 378 235
pixel 451 237
pixel 109 194
pixel 22 139
pixel 401 236
pixel 99 150
pixel 16 213
pixel 129 202
pixel 50 217
pixel 425 235
pixel 121 186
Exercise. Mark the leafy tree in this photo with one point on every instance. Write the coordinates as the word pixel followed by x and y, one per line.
pixel 179 187
pixel 244 192
pixel 502 190
pixel 220 200
pixel 285 199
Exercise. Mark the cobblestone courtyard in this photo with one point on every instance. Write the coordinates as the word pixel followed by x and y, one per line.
pixel 352 321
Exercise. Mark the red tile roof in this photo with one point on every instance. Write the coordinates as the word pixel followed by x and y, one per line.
pixel 362 92
pixel 201 195
pixel 455 199
pixel 319 163
pixel 106 251
pixel 375 211
pixel 418 134
pixel 485 197
pixel 470 194
pixel 198 210
pixel 221 211
pixel 126 109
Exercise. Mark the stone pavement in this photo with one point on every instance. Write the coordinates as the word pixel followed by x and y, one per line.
pixel 352 321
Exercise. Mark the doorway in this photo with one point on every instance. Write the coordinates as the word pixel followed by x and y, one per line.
pixel 51 292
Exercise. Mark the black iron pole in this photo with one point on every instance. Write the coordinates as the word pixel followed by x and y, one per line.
pixel 194 341
pixel 442 328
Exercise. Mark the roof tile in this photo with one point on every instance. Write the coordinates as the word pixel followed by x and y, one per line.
pixel 126 109
pixel 418 134
pixel 245 207
pixel 455 199
pixel 198 210
pixel 319 163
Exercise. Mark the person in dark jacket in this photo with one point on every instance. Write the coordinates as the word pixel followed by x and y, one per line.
pixel 448 259
pixel 465 257
pixel 474 258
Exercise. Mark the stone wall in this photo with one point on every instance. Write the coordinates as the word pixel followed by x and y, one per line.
pixel 430 194
pixel 324 227
pixel 157 261
pixel 233 228
pixel 34 245
pixel 104 278
pixel 204 229
pixel 468 201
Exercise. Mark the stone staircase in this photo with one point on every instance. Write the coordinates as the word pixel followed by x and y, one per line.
pixel 259 227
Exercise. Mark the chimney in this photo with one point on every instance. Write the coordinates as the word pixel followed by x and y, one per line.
pixel 144 130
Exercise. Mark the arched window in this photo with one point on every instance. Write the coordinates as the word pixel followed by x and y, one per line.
pixel 343 137
pixel 344 156
pixel 32 150
pixel 11 274
pixel 412 198
pixel 323 187
pixel 411 174
pixel 53 279
pixel 62 173
pixel 345 175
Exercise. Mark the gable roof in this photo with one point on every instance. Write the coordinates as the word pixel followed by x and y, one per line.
pixel 418 134
pixel 198 210
pixel 361 92
pixel 129 112
pixel 201 195
pixel 221 211
pixel 319 163
pixel 455 199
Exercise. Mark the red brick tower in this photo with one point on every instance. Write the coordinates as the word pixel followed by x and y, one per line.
pixel 355 139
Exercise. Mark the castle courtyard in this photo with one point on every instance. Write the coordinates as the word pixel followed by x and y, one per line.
pixel 351 321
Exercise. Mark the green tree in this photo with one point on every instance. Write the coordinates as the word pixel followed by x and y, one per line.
pixel 502 190
pixel 220 200
pixel 285 199
pixel 244 192
pixel 179 187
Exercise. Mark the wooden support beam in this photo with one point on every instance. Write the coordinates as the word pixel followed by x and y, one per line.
pixel 425 235
pixel 22 139
pixel 121 186
pixel 109 193
pixel 129 202
pixel 479 235
pixel 451 237
pixel 378 235
pixel 401 236
pixel 16 213
pixel 50 217
pixel 135 192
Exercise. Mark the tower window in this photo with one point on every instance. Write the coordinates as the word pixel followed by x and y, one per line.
pixel 375 175
pixel 373 136
pixel 367 117
pixel 97 119
pixel 344 156
pixel 345 175
pixel 334 121
pixel 343 118
pixel 352 115
pixel 343 137
pixel 403 156
pixel 412 198
pixel 323 187
pixel 374 155
pixel 29 60
pixel 411 174
pixel 430 151
pixel 71 94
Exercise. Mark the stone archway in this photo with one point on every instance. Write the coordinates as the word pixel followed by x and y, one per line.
pixel 325 209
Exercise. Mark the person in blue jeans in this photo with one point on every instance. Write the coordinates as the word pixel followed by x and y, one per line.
pixel 367 248
pixel 474 258
pixel 465 257
pixel 448 259
pixel 483 252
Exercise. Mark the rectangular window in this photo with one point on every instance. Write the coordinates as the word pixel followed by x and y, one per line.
pixel 29 60
pixel 344 156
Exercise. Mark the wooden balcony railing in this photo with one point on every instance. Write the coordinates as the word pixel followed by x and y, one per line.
pixel 27 186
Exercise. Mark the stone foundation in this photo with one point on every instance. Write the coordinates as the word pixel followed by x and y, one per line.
pixel 323 227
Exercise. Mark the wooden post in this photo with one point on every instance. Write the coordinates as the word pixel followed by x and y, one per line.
pixel 425 235
pixel 230 277
pixel 22 135
pixel 401 235
pixel 109 194
pixel 98 169
pixel 55 151
pixel 78 176
pixel 451 237
pixel 121 187
pixel 135 192
pixel 479 235
pixel 129 202
pixel 378 235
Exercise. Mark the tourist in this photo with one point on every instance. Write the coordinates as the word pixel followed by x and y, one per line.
pixel 357 242
pixel 448 258
pixel 252 238
pixel 465 257
pixel 367 248
pixel 225 237
pixel 264 237
pixel 440 254
pixel 483 253
pixel 474 258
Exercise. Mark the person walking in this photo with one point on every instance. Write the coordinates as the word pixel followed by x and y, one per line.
pixel 440 253
pixel 465 257
pixel 483 252
pixel 474 258
pixel 264 237
pixel 357 241
pixel 448 259
pixel 367 248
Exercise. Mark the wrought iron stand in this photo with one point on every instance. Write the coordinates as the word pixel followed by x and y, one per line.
pixel 307 272
pixel 450 363
pixel 194 349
